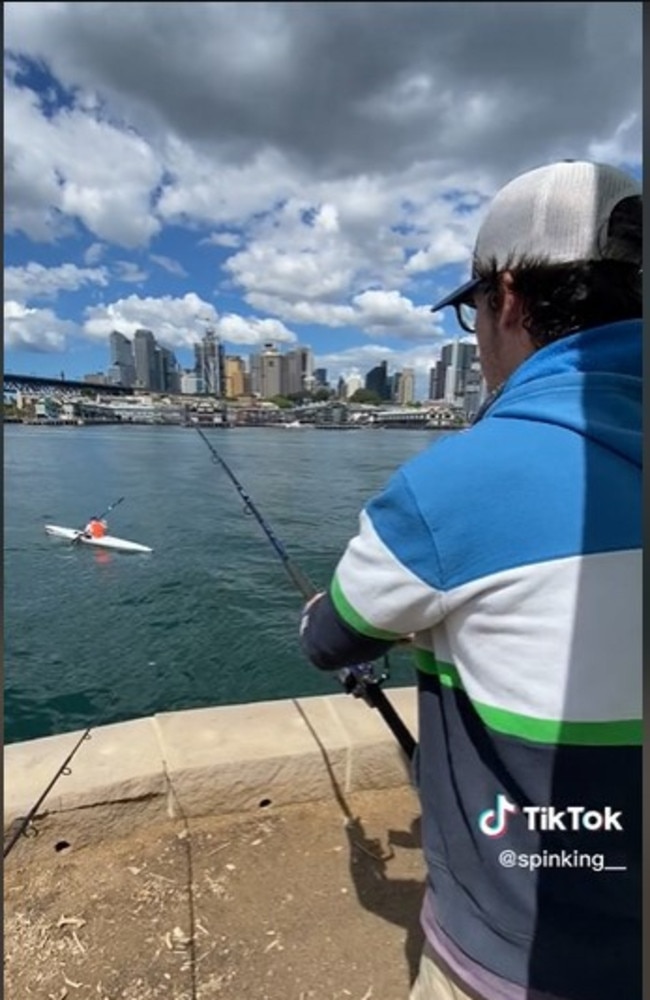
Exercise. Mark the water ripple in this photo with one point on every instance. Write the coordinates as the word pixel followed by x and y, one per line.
pixel 210 616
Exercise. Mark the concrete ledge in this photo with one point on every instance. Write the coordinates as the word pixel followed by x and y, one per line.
pixel 121 762
pixel 210 761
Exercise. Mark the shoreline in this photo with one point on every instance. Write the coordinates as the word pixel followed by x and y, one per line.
pixel 263 425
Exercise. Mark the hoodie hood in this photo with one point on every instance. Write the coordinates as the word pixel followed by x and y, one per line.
pixel 589 382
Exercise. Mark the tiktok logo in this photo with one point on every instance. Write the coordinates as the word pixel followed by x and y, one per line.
pixel 493 822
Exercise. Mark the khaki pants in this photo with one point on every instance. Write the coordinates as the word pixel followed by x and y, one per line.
pixel 433 983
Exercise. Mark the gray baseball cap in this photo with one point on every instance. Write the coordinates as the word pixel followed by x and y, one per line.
pixel 558 213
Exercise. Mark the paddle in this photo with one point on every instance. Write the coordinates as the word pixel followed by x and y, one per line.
pixel 111 507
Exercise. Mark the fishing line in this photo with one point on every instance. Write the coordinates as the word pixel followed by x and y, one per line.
pixel 359 680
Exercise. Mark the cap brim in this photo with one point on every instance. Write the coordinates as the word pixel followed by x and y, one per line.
pixel 457 296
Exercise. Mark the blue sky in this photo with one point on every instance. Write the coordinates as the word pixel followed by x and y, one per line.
pixel 302 173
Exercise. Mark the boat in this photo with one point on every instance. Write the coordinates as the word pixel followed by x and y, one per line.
pixel 106 542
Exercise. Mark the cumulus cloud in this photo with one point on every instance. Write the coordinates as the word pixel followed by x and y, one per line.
pixel 66 166
pixel 180 322
pixel 389 312
pixel 251 330
pixel 239 120
pixel 330 197
pixel 176 322
pixel 407 81
pixel 34 281
pixel 37 330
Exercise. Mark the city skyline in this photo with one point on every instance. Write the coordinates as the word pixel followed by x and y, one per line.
pixel 144 364
pixel 244 193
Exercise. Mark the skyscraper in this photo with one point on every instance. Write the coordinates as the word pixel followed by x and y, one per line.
pixel 377 380
pixel 458 357
pixel 235 376
pixel 406 388
pixel 296 371
pixel 146 368
pixel 122 367
pixel 209 364
pixel 168 376
pixel 270 384
pixel 448 379
pixel 255 367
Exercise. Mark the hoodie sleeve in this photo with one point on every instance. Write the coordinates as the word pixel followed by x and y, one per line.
pixel 330 644
pixel 382 589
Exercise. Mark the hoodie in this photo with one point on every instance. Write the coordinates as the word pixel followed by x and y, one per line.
pixel 512 552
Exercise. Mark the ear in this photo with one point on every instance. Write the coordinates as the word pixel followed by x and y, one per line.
pixel 511 313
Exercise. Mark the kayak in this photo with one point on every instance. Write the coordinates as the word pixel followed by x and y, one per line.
pixel 107 542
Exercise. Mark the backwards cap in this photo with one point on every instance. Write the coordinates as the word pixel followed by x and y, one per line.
pixel 558 213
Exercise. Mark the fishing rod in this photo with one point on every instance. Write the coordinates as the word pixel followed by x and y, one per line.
pixel 23 822
pixel 359 680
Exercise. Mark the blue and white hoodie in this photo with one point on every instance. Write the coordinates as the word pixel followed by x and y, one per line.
pixel 513 551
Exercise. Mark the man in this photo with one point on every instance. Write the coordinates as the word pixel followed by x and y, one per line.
pixel 512 554
pixel 96 528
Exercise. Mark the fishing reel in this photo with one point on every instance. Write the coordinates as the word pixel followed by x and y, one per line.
pixel 361 681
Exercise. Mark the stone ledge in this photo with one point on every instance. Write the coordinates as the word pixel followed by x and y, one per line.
pixel 210 761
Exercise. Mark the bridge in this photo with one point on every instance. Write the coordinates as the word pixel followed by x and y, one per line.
pixel 60 386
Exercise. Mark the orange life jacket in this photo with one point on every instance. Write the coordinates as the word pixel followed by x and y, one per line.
pixel 97 529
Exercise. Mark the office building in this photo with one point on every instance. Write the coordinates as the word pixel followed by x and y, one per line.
pixel 406 387
pixel 448 378
pixel 122 366
pixel 296 371
pixel 377 381
pixel 146 366
pixel 270 372
pixel 209 364
pixel 235 376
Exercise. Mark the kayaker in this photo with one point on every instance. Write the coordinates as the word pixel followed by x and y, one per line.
pixel 96 528
pixel 513 553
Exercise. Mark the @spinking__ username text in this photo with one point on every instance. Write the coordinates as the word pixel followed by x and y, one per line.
pixel 557 859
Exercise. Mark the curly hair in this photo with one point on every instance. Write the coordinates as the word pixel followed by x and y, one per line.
pixel 560 299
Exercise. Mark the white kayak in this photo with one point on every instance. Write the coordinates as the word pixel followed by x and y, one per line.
pixel 107 542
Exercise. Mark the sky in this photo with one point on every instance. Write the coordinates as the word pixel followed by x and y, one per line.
pixel 302 173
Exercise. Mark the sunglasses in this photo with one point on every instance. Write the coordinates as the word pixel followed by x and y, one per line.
pixel 465 308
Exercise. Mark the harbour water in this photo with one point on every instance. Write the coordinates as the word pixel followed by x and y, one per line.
pixel 209 617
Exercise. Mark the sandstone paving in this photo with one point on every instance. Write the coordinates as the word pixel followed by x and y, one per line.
pixel 308 901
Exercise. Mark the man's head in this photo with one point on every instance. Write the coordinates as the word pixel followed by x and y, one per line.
pixel 559 250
